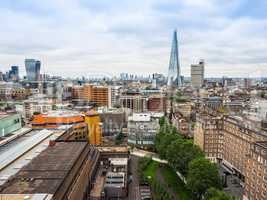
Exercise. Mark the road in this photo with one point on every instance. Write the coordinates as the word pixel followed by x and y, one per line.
pixel 142 153
pixel 134 193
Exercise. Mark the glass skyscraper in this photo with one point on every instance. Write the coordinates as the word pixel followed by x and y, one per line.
pixel 174 76
pixel 32 69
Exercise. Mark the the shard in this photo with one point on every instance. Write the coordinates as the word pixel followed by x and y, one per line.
pixel 174 76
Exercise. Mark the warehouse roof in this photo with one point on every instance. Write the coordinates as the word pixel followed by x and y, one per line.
pixel 46 172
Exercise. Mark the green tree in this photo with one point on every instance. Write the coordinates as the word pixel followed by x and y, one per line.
pixel 54 107
pixel 180 153
pixel 162 121
pixel 215 194
pixel 202 174
pixel 36 113
pixel 163 140
pixel 119 138
pixel 142 165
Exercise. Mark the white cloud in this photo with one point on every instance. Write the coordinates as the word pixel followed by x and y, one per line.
pixel 83 37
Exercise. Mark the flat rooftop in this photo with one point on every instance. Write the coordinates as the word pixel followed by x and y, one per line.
pixel 62 113
pixel 19 149
pixel 118 161
pixel 25 196
pixel 45 173
pixel 144 117
pixel 16 148
pixel 113 149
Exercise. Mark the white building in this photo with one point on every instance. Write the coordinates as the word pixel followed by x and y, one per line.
pixel 38 103
pixel 113 96
pixel 197 74
pixel 142 128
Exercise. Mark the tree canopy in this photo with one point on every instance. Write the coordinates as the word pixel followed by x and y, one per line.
pixel 202 175
pixel 188 159
pixel 215 194
pixel 180 153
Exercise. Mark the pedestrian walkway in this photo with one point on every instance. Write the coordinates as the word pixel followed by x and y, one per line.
pixel 164 184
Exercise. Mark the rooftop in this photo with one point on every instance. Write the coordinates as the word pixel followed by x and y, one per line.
pixel 16 148
pixel 118 161
pixel 262 144
pixel 46 172
pixel 145 117
pixel 113 149
pixel 25 196
pixel 62 113
pixel 19 149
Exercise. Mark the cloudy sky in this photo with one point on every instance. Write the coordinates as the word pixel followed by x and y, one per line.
pixel 95 37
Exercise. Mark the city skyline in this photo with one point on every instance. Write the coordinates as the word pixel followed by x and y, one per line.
pixel 99 37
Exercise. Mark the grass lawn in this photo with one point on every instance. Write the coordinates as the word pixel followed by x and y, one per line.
pixel 151 169
pixel 175 183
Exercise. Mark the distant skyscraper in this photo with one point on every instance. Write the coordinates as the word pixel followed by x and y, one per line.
pixel 174 76
pixel 197 74
pixel 124 76
pixel 14 73
pixel 32 69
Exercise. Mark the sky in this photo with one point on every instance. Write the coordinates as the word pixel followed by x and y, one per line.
pixel 106 37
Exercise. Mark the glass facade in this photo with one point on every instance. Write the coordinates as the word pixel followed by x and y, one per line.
pixel 174 77
pixel 32 69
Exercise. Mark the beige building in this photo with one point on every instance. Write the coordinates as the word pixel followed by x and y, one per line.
pixel 209 137
pixel 256 172
pixel 239 145
pixel 37 104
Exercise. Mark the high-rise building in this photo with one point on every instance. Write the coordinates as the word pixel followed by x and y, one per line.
pixel 14 73
pixel 32 69
pixel 124 76
pixel 113 96
pixel 197 74
pixel 174 76
pixel 96 94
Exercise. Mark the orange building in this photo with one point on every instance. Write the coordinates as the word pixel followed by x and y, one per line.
pixel 96 94
pixel 84 125
pixel 92 119
pixel 54 119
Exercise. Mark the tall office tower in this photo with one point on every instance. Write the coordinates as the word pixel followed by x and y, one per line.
pixel 14 73
pixel 174 76
pixel 197 74
pixel 33 69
